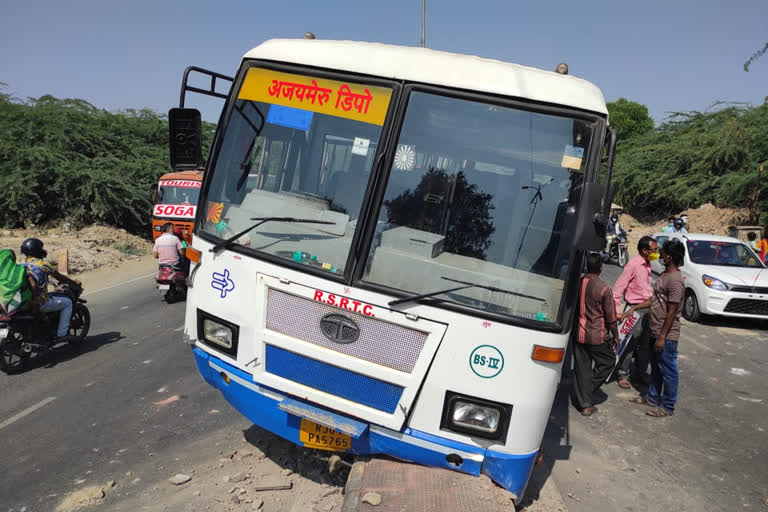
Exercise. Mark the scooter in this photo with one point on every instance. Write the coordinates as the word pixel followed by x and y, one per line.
pixel 618 250
pixel 172 282
pixel 33 332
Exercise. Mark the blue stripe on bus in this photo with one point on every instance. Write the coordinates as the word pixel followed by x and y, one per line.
pixel 352 386
pixel 259 405
pixel 509 470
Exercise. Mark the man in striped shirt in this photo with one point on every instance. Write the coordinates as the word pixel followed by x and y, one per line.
pixel 596 323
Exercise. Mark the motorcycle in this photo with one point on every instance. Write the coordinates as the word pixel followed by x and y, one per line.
pixel 34 332
pixel 618 250
pixel 172 282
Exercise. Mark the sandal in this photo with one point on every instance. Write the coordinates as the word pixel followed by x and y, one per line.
pixel 623 383
pixel 588 411
pixel 658 412
pixel 641 400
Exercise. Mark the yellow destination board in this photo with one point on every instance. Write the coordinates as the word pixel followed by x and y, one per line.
pixel 350 100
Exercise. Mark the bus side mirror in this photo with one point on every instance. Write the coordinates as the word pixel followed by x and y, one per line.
pixel 185 138
pixel 153 193
pixel 592 217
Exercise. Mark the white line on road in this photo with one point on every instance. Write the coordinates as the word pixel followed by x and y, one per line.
pixel 121 283
pixel 25 412
pixel 700 345
pixel 179 329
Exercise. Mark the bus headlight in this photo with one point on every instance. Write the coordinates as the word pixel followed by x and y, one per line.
pixel 475 416
pixel 217 332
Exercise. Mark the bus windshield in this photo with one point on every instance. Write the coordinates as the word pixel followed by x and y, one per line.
pixel 480 193
pixel 479 200
pixel 301 147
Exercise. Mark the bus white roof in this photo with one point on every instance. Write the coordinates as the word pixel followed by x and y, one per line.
pixel 436 67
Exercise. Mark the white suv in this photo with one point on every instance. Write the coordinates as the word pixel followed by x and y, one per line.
pixel 723 276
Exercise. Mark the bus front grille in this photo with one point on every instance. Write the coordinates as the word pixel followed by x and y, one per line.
pixel 380 342
pixel 340 382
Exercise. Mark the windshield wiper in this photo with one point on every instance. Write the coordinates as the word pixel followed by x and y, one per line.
pixel 225 243
pixel 466 285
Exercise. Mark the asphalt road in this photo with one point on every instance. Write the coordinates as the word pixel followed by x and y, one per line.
pixel 87 414
pixel 128 405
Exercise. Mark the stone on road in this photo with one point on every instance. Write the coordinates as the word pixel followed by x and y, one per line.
pixel 272 484
pixel 372 498
pixel 179 479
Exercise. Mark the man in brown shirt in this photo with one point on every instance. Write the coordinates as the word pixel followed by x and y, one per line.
pixel 664 313
pixel 596 323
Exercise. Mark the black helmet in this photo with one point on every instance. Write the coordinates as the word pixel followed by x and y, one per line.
pixel 679 222
pixel 614 217
pixel 33 247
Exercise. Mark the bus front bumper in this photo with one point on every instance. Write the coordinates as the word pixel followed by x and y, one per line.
pixel 262 406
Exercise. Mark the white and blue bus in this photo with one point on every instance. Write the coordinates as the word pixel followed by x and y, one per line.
pixel 387 247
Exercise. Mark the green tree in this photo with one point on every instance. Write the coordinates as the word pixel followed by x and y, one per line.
pixel 64 159
pixel 694 158
pixel 630 118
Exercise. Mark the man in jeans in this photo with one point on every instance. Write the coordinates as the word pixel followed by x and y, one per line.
pixel 634 286
pixel 596 322
pixel 39 270
pixel 664 320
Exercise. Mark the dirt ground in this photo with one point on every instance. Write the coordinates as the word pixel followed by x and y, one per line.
pixel 228 470
pixel 90 248
pixel 251 470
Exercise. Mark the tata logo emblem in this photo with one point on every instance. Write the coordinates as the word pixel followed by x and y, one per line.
pixel 339 328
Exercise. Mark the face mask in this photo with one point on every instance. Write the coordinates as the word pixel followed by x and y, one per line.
pixel 653 256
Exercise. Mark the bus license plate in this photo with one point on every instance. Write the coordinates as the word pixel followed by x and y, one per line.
pixel 321 437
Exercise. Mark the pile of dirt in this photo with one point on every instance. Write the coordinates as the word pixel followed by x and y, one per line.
pixel 705 219
pixel 89 248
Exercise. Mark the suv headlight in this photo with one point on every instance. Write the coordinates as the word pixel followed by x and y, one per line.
pixel 217 332
pixel 475 416
pixel 714 283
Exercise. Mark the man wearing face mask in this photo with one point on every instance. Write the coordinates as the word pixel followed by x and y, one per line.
pixel 664 314
pixel 634 287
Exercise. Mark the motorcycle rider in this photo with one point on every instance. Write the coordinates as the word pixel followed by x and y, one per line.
pixel 183 263
pixel 614 231
pixel 679 226
pixel 39 271
pixel 167 249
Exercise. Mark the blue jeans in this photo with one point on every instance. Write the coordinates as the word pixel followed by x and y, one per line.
pixel 664 376
pixel 63 304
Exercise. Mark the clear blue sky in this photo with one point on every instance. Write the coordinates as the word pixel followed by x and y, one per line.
pixel 671 55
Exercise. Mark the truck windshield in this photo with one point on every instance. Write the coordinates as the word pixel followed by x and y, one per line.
pixel 296 146
pixel 481 193
pixel 168 193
